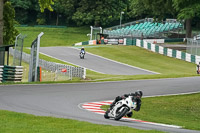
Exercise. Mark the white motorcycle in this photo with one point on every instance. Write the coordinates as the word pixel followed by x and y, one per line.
pixel 121 108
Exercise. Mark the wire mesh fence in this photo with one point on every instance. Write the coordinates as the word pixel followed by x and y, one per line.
pixel 52 71
pixel 18 52
pixel 193 46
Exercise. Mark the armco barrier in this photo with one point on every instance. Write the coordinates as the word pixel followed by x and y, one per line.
pixel 168 52
pixel 12 73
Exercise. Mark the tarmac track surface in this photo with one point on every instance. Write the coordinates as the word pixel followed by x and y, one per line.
pixel 92 62
pixel 63 100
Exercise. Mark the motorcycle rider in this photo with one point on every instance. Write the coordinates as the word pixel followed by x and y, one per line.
pixel 82 50
pixel 136 97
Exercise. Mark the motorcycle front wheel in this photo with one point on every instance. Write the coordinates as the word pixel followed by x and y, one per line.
pixel 106 115
pixel 121 114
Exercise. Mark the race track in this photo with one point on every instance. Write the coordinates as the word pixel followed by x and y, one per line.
pixel 92 62
pixel 63 100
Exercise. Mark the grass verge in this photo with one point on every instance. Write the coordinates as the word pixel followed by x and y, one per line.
pixel 181 110
pixel 135 56
pixel 55 36
pixel 168 67
pixel 12 122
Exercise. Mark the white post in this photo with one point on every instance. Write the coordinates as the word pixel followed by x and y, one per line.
pixel 101 30
pixel 71 73
pixel 37 57
pixel 91 32
pixel 15 49
pixel 84 73
pixel 124 41
pixel 121 19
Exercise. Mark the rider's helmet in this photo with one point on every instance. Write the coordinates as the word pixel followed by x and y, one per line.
pixel 139 93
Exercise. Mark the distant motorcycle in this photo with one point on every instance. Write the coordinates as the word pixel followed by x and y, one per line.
pixel 121 108
pixel 82 54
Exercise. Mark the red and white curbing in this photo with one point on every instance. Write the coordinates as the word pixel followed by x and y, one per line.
pixel 96 108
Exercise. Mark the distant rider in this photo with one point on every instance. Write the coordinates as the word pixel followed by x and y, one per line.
pixel 82 50
pixel 136 97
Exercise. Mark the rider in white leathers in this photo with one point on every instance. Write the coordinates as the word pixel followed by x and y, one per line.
pixel 136 97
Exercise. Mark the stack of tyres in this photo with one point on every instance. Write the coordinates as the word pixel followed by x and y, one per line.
pixel 12 73
pixel 1 73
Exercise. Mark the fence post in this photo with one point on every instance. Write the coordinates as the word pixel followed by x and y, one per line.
pixel 84 73
pixel 34 62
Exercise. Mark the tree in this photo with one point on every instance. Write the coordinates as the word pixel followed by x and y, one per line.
pixel 1 31
pixel 43 4
pixel 187 10
pixel 21 7
pixel 99 12
pixel 1 23
pixel 46 4
pixel 183 9
pixel 66 8
pixel 153 8
pixel 9 31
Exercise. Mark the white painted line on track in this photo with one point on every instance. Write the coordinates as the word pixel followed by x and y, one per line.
pixel 95 107
pixel 173 94
pixel 120 62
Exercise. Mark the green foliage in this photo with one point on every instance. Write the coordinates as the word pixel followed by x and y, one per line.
pixel 187 9
pixel 99 13
pixel 25 10
pixel 153 8
pixel 161 8
pixel 137 8
pixel 24 4
pixel 9 31
pixel 46 4
pixel 104 12
pixel 66 8
pixel 41 21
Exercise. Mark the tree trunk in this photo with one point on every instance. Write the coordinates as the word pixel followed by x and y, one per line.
pixel 57 19
pixel 1 33
pixel 188 28
pixel 1 22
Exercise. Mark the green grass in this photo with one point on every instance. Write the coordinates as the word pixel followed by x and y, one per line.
pixel 177 110
pixel 181 110
pixel 12 122
pixel 55 36
pixel 139 57
pixel 167 67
